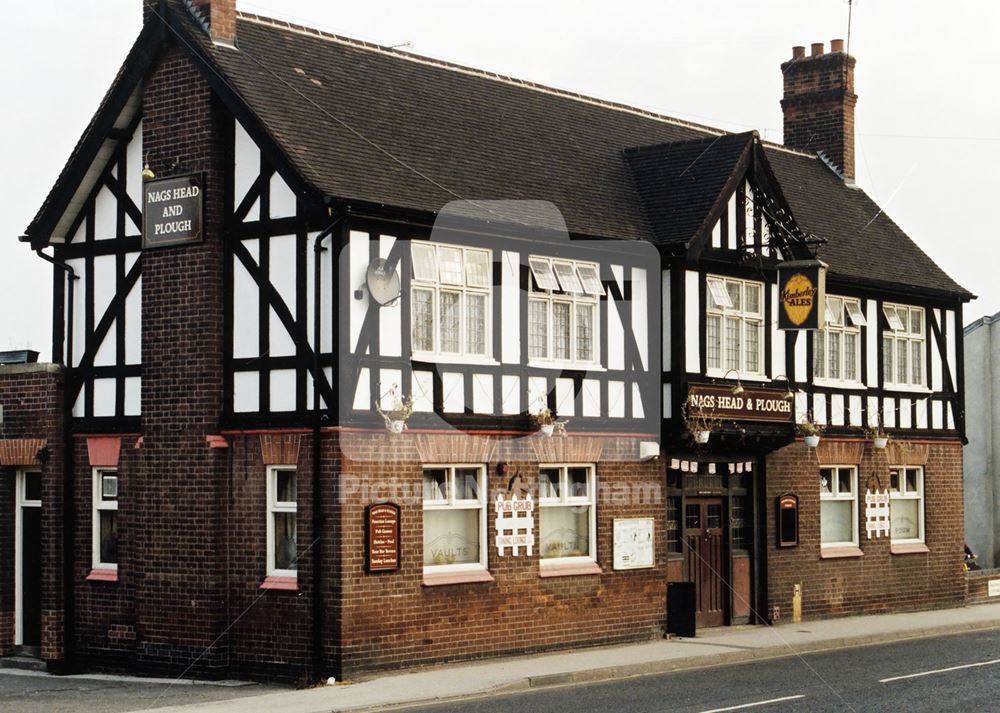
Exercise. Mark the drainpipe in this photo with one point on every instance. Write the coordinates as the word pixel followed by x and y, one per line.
pixel 69 512
pixel 317 504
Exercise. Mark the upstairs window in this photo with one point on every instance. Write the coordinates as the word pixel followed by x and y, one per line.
pixel 903 345
pixel 734 326
pixel 450 300
pixel 837 347
pixel 563 311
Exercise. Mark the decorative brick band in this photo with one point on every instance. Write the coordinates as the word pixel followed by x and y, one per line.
pixel 567 450
pixel 904 453
pixel 104 451
pixel 457 448
pixel 839 453
pixel 20 451
pixel 280 449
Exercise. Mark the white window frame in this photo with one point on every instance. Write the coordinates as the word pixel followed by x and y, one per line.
pixel 453 503
pixel 723 310
pixel 836 496
pixel 904 338
pixel 840 321
pixel 99 504
pixel 20 502
pixel 468 288
pixel 903 493
pixel 544 271
pixel 274 506
pixel 564 500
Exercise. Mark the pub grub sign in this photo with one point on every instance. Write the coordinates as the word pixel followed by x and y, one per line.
pixel 382 537
pixel 719 402
pixel 172 211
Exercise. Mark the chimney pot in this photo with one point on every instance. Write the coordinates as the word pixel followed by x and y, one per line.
pixel 817 49
pixel 836 45
pixel 798 52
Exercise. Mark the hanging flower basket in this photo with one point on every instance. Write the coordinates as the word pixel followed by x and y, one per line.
pixel 547 429
pixel 548 424
pixel 811 441
pixel 880 442
pixel 702 436
pixel 395 418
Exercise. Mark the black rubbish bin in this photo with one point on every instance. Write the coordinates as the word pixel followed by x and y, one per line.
pixel 681 608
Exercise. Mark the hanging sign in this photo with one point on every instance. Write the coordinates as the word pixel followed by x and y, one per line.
pixel 752 405
pixel 172 211
pixel 515 523
pixel 876 513
pixel 382 537
pixel 633 543
pixel 801 294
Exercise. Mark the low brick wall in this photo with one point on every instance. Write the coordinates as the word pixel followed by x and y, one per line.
pixel 977 586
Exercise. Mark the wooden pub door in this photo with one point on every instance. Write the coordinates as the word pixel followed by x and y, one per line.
pixel 705 559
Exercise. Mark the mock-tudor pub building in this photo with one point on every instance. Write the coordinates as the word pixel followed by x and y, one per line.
pixel 364 360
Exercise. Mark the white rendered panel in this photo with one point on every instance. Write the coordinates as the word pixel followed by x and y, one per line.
pixel 717 234
pixel 79 310
pixel 510 305
pixel 246 391
pixel 801 363
pixel 104 397
pixel 510 388
pixel 246 170
pixel 616 399
pixel 637 407
pixel 922 407
pixel 640 315
pixel 665 318
pixel 482 393
pixel 692 320
pixel 937 415
pixel 537 393
pixel 78 405
pixel 105 215
pixel 731 233
pixel 936 369
pixel 616 332
pixel 246 296
pixel 81 233
pixel 873 410
pixel 105 355
pixel 951 418
pixel 854 411
pixel 104 284
pixel 282 198
pixel 905 413
pixel 282 277
pixel 590 394
pixel 837 409
pixel 819 409
pixel 777 337
pixel 873 347
pixel 453 386
pixel 801 406
pixel 949 320
pixel 133 324
pixel 363 391
pixel 328 372
pixel 390 316
pixel 357 269
pixel 390 381
pixel 133 396
pixel 565 405
pixel 326 292
pixel 889 413
pixel 133 167
pixel 283 390
pixel 423 391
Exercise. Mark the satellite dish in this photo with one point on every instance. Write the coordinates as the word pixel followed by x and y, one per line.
pixel 383 281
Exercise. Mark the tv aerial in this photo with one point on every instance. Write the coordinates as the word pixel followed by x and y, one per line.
pixel 382 281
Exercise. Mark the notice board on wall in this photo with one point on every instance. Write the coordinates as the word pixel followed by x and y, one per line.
pixel 634 543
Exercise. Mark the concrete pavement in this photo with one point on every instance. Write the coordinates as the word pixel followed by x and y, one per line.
pixel 710 648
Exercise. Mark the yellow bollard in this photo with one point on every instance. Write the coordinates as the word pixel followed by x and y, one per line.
pixel 797 604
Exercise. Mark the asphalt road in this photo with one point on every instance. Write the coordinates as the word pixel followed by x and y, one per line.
pixel 28 692
pixel 845 680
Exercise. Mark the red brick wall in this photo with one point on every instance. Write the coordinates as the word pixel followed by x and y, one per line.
pixel 32 397
pixel 879 581
pixel 977 586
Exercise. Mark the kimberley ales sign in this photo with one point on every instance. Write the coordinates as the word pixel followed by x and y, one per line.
pixel 752 405
pixel 172 211
pixel 801 294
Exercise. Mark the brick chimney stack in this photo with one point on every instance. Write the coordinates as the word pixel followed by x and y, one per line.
pixel 219 16
pixel 819 103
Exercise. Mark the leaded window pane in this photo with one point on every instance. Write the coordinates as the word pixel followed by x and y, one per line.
pixel 560 330
pixel 917 361
pixel 888 360
pixel 753 347
pixel 585 332
pixel 902 371
pixel 451 314
pixel 819 354
pixel 733 329
pixel 475 327
pixel 477 268
pixel 916 321
pixel 752 293
pixel 850 356
pixel 735 294
pixel 713 341
pixel 834 355
pixel 423 320
pixel 568 280
pixel 424 267
pixel 538 329
pixel 450 266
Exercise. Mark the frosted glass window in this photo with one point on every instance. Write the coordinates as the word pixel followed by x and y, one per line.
pixel 567 512
pixel 454 517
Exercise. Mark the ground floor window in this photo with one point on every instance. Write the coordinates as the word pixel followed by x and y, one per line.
pixel 105 519
pixel 838 506
pixel 454 517
pixel 567 515
pixel 282 507
pixel 906 504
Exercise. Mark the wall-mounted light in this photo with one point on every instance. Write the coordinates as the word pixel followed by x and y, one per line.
pixel 789 394
pixel 738 389
pixel 147 172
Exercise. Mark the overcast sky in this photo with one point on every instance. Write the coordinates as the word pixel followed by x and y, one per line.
pixel 928 114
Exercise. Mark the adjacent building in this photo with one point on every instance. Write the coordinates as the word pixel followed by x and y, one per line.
pixel 274 247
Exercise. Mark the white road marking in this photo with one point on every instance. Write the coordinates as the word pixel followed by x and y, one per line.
pixel 940 670
pixel 754 705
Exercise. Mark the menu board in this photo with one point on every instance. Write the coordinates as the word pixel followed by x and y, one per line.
pixel 633 543
pixel 382 537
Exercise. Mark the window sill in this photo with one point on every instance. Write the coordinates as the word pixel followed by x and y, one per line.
pixel 566 366
pixel 441 579
pixel 720 374
pixel 453 359
pixel 103 575
pixel 284 584
pixel 912 548
pixel 839 384
pixel 567 569
pixel 907 389
pixel 829 553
